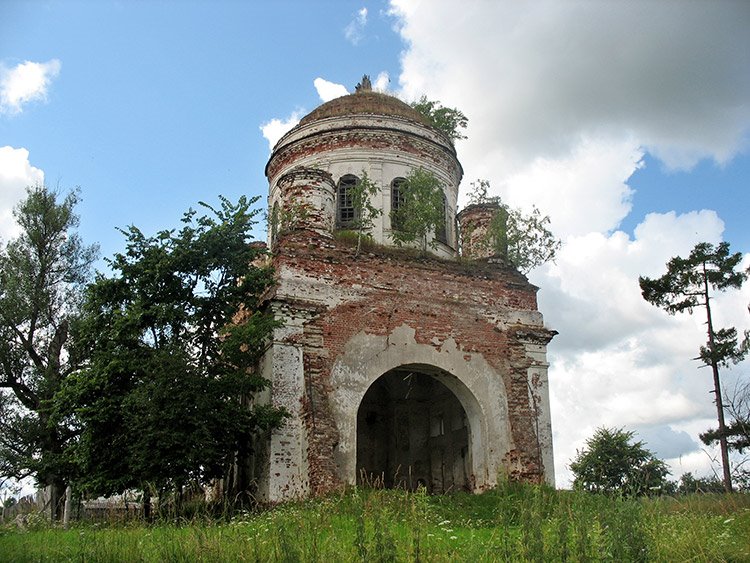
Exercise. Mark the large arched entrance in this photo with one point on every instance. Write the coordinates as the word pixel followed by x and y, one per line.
pixel 412 430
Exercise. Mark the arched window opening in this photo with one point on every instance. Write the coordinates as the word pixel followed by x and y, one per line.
pixel 441 233
pixel 397 200
pixel 345 212
pixel 275 222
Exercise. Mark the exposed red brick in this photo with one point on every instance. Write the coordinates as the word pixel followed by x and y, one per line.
pixel 440 300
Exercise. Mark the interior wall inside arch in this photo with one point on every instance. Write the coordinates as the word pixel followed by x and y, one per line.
pixel 411 431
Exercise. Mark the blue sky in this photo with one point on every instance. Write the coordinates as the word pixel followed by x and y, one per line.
pixel 158 104
pixel 707 185
pixel 627 123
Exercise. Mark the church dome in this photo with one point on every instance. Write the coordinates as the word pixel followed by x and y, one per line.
pixel 315 164
pixel 364 102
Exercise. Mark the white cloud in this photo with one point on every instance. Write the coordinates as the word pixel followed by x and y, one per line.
pixel 24 83
pixel 583 191
pixel 619 361
pixel 16 172
pixel 667 442
pixel 329 90
pixel 535 77
pixel 381 82
pixel 274 129
pixel 563 101
pixel 354 32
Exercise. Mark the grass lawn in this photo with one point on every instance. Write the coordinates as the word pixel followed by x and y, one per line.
pixel 514 523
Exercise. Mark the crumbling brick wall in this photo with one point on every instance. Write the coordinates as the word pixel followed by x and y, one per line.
pixel 350 321
pixel 472 303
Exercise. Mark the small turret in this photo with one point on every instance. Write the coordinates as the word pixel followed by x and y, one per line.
pixel 483 231
pixel 306 200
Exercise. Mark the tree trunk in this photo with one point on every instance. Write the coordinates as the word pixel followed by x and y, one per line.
pixel 717 390
pixel 146 505
pixel 242 496
pixel 68 506
pixel 56 499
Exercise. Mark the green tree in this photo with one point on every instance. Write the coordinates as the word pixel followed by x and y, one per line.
pixel 365 212
pixel 42 274
pixel 525 240
pixel 688 284
pixel 175 335
pixel 612 462
pixel 421 213
pixel 448 120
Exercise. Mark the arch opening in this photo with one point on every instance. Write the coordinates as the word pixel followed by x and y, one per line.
pixel 346 213
pixel 397 200
pixel 412 430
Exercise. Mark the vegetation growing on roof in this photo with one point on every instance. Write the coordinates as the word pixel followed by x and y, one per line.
pixel 451 121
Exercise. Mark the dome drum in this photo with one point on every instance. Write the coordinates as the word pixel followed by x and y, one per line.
pixel 364 133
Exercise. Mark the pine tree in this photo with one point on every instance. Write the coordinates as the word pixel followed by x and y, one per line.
pixel 687 285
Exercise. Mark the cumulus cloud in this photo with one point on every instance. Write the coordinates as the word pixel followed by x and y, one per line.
pixel 329 90
pixel 16 172
pixel 24 83
pixel 564 100
pixel 675 76
pixel 274 129
pixel 618 361
pixel 354 32
pixel 666 442
pixel 381 82
pixel 592 177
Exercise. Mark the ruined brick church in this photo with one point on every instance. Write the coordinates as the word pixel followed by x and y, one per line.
pixel 396 368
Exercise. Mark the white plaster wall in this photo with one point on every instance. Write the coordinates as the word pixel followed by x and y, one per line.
pixel 475 383
pixel 287 460
pixel 339 123
pixel 319 289
pixel 539 388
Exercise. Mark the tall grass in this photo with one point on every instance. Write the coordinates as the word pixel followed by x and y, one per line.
pixel 512 523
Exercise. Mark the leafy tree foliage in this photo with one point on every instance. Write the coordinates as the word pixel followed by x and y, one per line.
pixel 448 120
pixel 365 212
pixel 613 463
pixel 525 240
pixel 174 333
pixel 421 213
pixel 686 285
pixel 42 273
